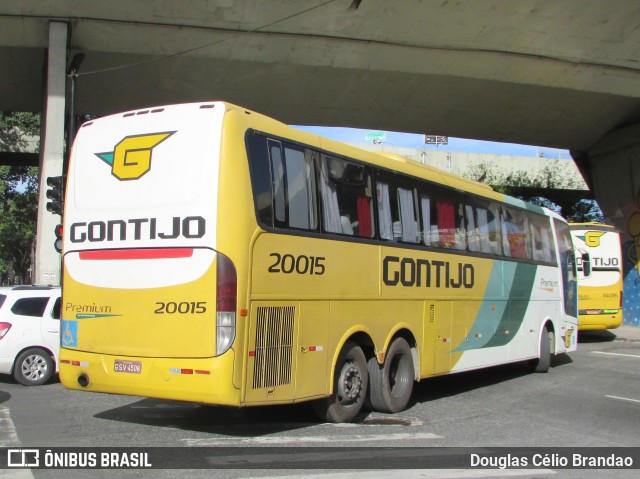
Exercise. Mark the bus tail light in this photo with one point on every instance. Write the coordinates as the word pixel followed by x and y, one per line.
pixel 621 299
pixel 226 300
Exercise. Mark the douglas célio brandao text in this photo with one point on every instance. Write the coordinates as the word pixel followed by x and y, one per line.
pixel 567 460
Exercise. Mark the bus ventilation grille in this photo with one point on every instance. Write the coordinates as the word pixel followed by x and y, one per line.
pixel 274 347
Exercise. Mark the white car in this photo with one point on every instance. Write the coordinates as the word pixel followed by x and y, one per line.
pixel 29 332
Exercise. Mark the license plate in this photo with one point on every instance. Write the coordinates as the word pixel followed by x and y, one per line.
pixel 126 366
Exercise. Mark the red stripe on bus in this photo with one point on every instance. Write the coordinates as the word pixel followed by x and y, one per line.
pixel 152 253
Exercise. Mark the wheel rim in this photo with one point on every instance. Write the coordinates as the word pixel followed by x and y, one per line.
pixel 349 384
pixel 34 367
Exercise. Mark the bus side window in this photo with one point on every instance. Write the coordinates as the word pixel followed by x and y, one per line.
pixel 283 180
pixel 514 234
pixel 473 231
pixel 301 188
pixel 443 219
pixel 425 208
pixel 482 226
pixel 407 215
pixel 541 239
pixel 566 259
pixel 397 212
pixel 277 181
pixel 347 206
pixel 493 239
pixel 261 183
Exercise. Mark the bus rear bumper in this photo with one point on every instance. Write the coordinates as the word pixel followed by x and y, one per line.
pixel 595 322
pixel 206 380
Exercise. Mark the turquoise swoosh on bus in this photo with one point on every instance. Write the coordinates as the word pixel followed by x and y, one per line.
pixel 498 320
pixel 519 298
pixel 486 323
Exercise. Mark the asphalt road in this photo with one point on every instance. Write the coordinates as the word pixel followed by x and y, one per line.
pixel 589 398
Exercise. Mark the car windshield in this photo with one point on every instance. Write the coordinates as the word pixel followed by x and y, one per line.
pixel 2 298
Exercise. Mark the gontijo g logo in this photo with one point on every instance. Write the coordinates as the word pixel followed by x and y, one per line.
pixel 592 238
pixel 131 158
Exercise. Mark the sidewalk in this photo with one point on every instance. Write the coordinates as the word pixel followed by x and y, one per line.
pixel 627 333
pixel 623 333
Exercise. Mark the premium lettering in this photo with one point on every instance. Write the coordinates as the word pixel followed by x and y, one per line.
pixel 137 229
pixel 87 308
pixel 425 273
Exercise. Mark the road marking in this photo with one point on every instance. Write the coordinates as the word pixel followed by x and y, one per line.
pixel 622 399
pixel 9 438
pixel 299 440
pixel 617 354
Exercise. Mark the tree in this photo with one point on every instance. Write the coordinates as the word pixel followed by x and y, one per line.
pixel 18 196
pixel 561 192
pixel 585 211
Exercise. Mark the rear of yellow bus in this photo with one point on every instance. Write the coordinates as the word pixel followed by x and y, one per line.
pixel 600 280
pixel 149 295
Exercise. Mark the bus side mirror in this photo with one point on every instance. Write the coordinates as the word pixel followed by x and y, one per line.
pixel 586 264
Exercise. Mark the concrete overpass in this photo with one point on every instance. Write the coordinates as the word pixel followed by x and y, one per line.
pixel 559 74
pixel 471 165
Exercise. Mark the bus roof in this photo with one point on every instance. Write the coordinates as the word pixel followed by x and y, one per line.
pixel 593 225
pixel 385 160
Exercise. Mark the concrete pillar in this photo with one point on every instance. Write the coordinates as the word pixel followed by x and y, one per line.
pixel 615 169
pixel 47 260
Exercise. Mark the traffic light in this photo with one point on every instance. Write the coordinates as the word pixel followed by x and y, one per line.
pixel 55 194
pixel 57 244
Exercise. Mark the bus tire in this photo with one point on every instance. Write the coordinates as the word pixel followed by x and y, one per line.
pixel 350 381
pixel 391 384
pixel 542 364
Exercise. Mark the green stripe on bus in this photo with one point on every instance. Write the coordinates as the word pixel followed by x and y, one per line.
pixel 519 297
pixel 498 319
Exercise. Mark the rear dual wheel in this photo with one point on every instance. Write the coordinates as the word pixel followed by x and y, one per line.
pixel 391 384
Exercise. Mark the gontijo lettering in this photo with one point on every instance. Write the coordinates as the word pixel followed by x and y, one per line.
pixel 430 274
pixel 137 229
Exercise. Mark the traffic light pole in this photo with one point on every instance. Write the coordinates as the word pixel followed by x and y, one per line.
pixel 72 73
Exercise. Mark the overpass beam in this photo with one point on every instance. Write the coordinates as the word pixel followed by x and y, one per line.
pixel 47 260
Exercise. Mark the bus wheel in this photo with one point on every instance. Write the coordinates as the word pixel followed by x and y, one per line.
pixel 541 365
pixel 349 387
pixel 391 384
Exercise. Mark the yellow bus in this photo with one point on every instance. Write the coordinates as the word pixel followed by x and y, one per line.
pixel 215 255
pixel 600 279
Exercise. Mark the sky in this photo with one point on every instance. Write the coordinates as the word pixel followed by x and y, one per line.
pixel 412 140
